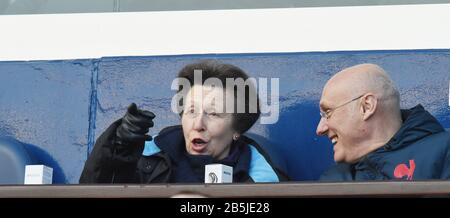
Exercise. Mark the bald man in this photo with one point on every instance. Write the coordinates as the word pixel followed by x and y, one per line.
pixel 373 139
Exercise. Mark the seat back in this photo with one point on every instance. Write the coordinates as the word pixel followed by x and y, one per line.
pixel 13 159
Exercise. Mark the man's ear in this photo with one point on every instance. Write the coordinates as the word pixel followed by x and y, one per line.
pixel 368 105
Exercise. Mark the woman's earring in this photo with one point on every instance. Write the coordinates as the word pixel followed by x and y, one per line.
pixel 235 137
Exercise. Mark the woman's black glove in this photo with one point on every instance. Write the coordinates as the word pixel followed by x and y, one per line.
pixel 135 125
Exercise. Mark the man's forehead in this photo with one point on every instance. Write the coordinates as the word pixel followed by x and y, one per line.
pixel 333 93
pixel 327 101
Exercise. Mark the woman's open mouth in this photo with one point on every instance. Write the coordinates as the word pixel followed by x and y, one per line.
pixel 199 145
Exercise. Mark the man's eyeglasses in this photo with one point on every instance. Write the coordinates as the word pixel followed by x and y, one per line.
pixel 327 114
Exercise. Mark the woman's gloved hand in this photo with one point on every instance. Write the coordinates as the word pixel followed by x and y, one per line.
pixel 135 125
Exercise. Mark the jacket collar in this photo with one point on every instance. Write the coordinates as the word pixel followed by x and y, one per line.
pixel 417 124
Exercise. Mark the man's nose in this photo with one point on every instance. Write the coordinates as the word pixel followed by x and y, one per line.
pixel 322 127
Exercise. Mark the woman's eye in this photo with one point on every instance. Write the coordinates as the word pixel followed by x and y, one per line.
pixel 190 111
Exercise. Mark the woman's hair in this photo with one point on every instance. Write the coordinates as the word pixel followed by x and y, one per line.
pixel 215 69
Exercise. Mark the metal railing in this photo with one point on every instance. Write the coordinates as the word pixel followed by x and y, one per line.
pixel 289 189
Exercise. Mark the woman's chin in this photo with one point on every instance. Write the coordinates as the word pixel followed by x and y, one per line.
pixel 198 151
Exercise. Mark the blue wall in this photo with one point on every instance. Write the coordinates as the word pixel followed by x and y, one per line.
pixel 61 107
